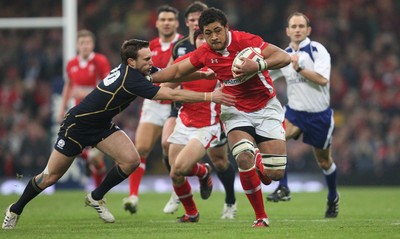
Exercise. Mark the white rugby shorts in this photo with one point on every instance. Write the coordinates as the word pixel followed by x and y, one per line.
pixel 154 112
pixel 209 136
pixel 267 122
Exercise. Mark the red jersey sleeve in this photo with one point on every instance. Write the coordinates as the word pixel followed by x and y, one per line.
pixel 198 56
pixel 245 39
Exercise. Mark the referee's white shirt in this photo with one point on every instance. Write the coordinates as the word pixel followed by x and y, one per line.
pixel 303 94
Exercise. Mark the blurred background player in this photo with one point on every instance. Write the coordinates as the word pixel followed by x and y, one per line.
pixel 180 48
pixel 186 44
pixel 308 111
pixel 154 113
pixel 199 131
pixel 84 72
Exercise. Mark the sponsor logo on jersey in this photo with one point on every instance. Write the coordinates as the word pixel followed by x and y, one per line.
pixel 181 51
pixel 61 144
pixel 236 81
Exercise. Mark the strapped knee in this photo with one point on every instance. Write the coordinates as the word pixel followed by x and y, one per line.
pixel 273 161
pixel 243 145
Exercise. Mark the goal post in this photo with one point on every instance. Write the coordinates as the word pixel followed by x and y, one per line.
pixel 68 23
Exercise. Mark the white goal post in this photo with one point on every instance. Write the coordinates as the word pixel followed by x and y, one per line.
pixel 68 22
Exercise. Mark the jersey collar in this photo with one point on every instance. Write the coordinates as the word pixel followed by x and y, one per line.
pixel 302 44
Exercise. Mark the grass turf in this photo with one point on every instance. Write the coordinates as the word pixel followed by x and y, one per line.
pixel 365 212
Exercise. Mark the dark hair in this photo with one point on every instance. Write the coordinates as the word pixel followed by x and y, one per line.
pixel 168 8
pixel 299 14
pixel 212 15
pixel 196 34
pixel 86 33
pixel 196 6
pixel 130 48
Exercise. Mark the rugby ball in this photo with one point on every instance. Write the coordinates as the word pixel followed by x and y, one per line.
pixel 252 53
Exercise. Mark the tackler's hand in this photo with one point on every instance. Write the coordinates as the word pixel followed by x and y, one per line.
pixel 218 96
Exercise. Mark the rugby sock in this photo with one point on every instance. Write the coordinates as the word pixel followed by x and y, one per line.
pixel 284 180
pixel 330 178
pixel 166 162
pixel 198 170
pixel 252 187
pixel 30 192
pixel 113 177
pixel 136 177
pixel 185 195
pixel 227 178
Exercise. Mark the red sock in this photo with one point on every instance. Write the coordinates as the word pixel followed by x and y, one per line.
pixel 98 173
pixel 259 163
pixel 252 187
pixel 198 170
pixel 136 177
pixel 185 195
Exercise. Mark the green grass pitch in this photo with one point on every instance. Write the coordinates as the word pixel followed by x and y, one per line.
pixel 365 212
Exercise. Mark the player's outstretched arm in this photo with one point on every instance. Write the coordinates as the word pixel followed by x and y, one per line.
pixel 275 57
pixel 180 72
pixel 217 96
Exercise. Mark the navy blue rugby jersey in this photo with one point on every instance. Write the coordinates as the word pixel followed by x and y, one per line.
pixel 112 95
pixel 182 47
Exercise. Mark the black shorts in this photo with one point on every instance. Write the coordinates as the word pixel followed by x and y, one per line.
pixel 175 106
pixel 252 131
pixel 74 136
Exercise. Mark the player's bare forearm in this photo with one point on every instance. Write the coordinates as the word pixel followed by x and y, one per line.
pixel 314 77
pixel 178 72
pixel 216 96
pixel 171 85
pixel 276 57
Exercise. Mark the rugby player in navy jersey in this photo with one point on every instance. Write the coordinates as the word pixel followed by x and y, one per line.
pixel 90 124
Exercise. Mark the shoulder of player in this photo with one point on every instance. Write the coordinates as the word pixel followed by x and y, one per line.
pixel 318 48
pixel 72 60
pixel 242 39
pixel 240 34
pixel 100 57
pixel 133 74
pixel 154 42
pixel 180 42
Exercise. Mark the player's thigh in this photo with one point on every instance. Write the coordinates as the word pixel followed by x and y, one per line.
pixel 292 131
pixel 58 164
pixel 193 152
pixel 273 146
pixel 120 148
pixel 147 135
pixel 167 131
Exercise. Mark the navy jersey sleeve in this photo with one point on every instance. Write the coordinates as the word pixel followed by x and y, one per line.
pixel 139 85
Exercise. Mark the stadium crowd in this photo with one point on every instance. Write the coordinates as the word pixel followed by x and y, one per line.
pixel 361 36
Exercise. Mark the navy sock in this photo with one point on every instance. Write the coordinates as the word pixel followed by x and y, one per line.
pixel 330 178
pixel 30 192
pixel 284 180
pixel 227 178
pixel 113 177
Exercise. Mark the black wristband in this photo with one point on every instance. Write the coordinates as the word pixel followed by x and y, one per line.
pixel 299 69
